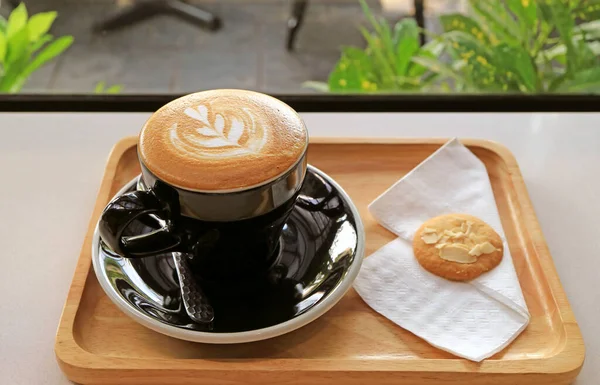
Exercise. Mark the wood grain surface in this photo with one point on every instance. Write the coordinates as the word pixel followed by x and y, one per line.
pixel 351 344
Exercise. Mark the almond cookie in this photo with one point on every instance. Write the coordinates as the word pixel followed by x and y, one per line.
pixel 457 247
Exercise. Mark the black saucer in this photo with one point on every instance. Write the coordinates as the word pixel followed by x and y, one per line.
pixel 321 249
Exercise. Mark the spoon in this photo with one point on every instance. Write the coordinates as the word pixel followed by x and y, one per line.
pixel 195 302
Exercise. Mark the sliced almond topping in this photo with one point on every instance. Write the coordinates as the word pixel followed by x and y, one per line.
pixel 441 245
pixel 444 239
pixel 454 234
pixel 463 227
pixel 469 225
pixel 487 248
pixel 430 238
pixel 457 253
pixel 476 251
pixel 428 230
pixel 477 238
pixel 457 230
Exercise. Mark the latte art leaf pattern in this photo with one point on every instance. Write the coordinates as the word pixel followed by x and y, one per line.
pixel 232 131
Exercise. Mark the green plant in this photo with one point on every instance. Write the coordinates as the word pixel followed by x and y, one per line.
pixel 531 46
pixel 522 46
pixel 101 88
pixel 26 45
pixel 385 65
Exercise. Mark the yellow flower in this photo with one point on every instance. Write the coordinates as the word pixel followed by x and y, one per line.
pixel 343 66
pixel 482 60
pixel 467 55
pixel 525 3
pixel 365 84
pixel 343 82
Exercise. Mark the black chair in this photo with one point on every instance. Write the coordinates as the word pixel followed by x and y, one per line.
pixel 299 9
pixel 145 9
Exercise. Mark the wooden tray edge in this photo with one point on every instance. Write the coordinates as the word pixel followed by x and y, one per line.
pixel 567 361
pixel 70 356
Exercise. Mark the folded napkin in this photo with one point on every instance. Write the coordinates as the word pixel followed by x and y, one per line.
pixel 473 320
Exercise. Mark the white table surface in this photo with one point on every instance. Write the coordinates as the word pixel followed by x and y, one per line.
pixel 51 165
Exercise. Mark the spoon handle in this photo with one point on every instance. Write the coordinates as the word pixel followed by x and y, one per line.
pixel 195 302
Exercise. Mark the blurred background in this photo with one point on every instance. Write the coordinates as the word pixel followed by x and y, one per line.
pixel 300 46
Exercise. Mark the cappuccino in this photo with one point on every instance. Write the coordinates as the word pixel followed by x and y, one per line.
pixel 222 141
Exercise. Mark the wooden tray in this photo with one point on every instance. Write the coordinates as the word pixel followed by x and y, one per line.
pixel 352 344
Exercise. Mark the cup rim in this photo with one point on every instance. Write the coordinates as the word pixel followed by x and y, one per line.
pixel 252 335
pixel 284 174
pixel 273 179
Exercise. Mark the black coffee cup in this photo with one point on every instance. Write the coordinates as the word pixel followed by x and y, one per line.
pixel 225 235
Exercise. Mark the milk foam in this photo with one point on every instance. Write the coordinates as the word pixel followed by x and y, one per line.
pixel 226 135
pixel 222 139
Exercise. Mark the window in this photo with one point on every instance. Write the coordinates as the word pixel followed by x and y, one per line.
pixel 301 46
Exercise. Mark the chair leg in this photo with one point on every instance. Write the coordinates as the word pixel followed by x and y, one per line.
pixel 138 12
pixel 194 14
pixel 145 9
pixel 295 21
pixel 420 17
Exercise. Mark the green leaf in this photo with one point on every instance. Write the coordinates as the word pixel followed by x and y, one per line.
pixel 39 24
pixel 114 89
pixel 17 45
pixel 13 79
pixel 557 13
pixel 17 20
pixel 388 43
pixel 557 82
pixel 99 87
pixel 52 50
pixel 427 83
pixel 479 68
pixel 407 46
pixel 588 53
pixel 586 58
pixel 514 64
pixel 458 22
pixel 3 24
pixel 370 17
pixel 526 12
pixel 440 68
pixel 3 47
pixel 40 42
pixel 381 64
pixel 431 50
pixel 352 72
pixel 588 10
pixel 497 19
pixel 317 86
pixel 583 81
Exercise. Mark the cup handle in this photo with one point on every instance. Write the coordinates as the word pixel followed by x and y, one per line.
pixel 123 210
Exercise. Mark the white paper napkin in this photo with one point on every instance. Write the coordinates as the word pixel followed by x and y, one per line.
pixel 473 320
